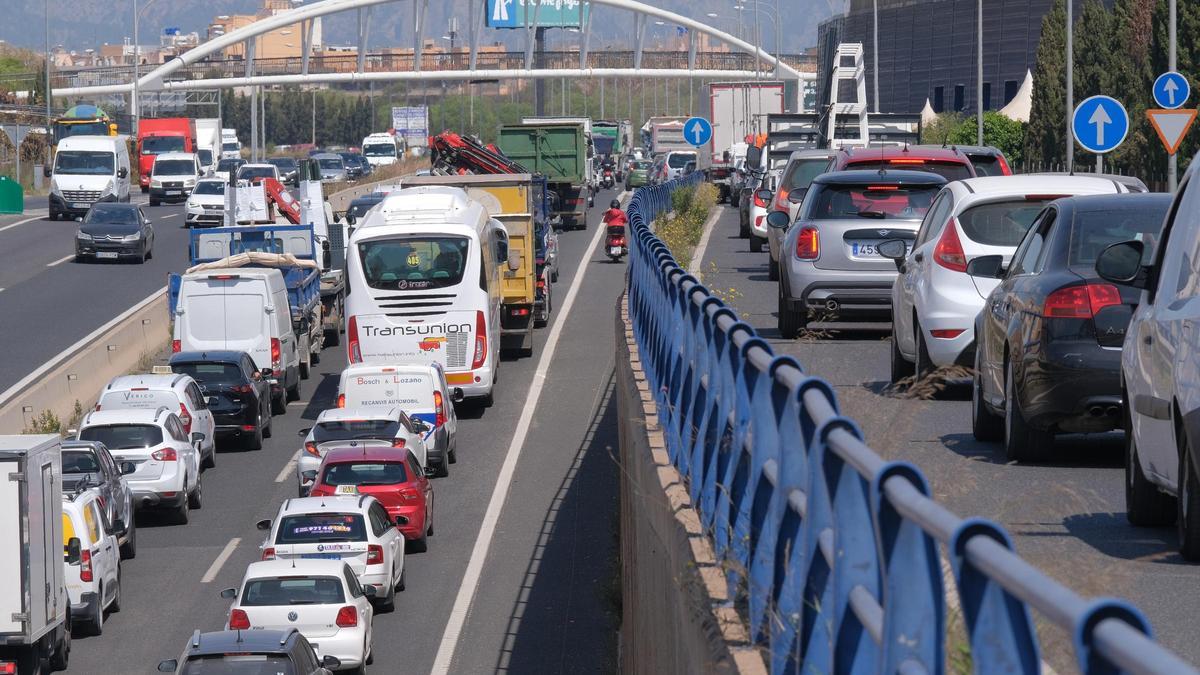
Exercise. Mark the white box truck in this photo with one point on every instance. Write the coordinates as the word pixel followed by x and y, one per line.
pixel 208 143
pixel 34 616
pixel 736 110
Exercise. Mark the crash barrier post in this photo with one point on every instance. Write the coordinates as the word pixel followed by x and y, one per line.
pixel 831 552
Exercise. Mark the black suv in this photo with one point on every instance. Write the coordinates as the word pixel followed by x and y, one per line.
pixel 237 394
pixel 249 652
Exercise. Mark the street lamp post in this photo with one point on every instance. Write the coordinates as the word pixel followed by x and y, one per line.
pixel 134 102
pixel 875 50
pixel 48 137
pixel 1070 86
pixel 979 74
pixel 1172 160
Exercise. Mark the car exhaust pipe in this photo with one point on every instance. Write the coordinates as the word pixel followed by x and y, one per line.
pixel 1096 410
pixel 146 501
pixel 1113 411
pixel 831 305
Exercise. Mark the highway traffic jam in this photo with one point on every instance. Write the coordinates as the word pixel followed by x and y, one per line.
pixel 439 275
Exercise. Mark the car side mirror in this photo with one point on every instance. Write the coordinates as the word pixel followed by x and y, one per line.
pixel 197 438
pixel 369 591
pixel 796 196
pixel 764 195
pixel 229 593
pixel 168 666
pixel 304 432
pixel 753 155
pixel 47 171
pixel 73 550
pixel 122 172
pixel 309 475
pixel 986 267
pixel 1121 263
pixel 264 524
pixel 778 220
pixel 514 261
pixel 266 372
pixel 127 468
pixel 420 425
pixel 331 662
pixel 118 526
pixel 457 395
pixel 401 521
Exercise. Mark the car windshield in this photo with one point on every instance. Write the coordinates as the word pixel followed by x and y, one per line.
pixel 286 163
pixel 643 165
pixel 239 664
pixel 123 436
pixel 1095 230
pixel 331 163
pixel 803 171
pixel 205 155
pixel 252 172
pixel 348 430
pixel 312 528
pixel 292 591
pixel 174 167
pixel 117 214
pixel 364 473
pixel 157 145
pixel 951 171
pixel 227 165
pixel 987 165
pixel 412 263
pixel 229 146
pixel 81 162
pixel 210 187
pixel 1000 223
pixel 877 202
pixel 678 160
pixel 79 461
pixel 380 150
pixel 359 207
pixel 210 373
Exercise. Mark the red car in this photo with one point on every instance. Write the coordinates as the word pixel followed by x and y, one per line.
pixel 950 162
pixel 391 475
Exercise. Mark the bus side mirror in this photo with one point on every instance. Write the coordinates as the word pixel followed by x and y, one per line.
pixel 46 171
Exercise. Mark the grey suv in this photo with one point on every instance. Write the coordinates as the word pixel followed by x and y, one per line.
pixel 830 265
pixel 249 652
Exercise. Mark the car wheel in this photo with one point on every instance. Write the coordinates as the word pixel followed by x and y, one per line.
pixel 453 455
pixel 1021 441
pixel 1145 504
pixel 183 511
pixel 756 243
pixel 985 425
pixel 924 366
pixel 443 469
pixel 278 405
pixel 418 545
pixel 153 202
pixel 773 270
pixel 195 497
pixel 96 620
pixel 210 462
pixel 61 658
pixel 901 367
pixel 790 321
pixel 268 428
pixel 293 392
pixel 304 366
pixel 332 337
pixel 115 606
pixel 1188 519
pixel 129 548
pixel 743 228
pixel 388 603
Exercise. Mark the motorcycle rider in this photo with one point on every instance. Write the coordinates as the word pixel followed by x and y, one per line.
pixel 615 220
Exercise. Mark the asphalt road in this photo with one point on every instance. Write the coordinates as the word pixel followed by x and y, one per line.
pixel 547 598
pixel 1066 514
pixel 49 302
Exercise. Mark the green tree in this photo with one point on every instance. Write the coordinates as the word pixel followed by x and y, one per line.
pixel 999 131
pixel 1045 137
pixel 938 132
pixel 1131 73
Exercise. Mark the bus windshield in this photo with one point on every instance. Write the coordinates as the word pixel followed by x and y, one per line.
pixel 414 263
pixel 380 150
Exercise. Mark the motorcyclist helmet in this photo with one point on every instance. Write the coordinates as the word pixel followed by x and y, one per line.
pixel 615 204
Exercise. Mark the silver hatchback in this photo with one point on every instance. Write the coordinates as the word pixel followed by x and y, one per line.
pixel 830 265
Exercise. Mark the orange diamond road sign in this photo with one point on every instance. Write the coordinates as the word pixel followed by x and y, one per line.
pixel 1171 126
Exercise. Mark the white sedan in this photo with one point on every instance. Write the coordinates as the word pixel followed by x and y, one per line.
pixel 206 204
pixel 320 598
pixel 370 426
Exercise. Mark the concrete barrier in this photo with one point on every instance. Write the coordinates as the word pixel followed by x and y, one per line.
pixel 82 370
pixel 676 615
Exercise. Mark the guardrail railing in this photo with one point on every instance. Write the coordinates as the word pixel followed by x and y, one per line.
pixel 831 551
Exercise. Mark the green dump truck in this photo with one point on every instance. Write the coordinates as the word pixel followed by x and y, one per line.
pixel 558 151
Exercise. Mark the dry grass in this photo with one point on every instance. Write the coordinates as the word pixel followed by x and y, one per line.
pixel 930 386
pixel 383 173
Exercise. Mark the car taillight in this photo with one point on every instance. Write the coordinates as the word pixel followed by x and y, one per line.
pixel 341 402
pixel 374 554
pixel 268 553
pixel 353 348
pixel 947 333
pixel 949 251
pixel 1080 302
pixel 781 200
pixel 311 448
pixel 761 197
pixel 399 443
pixel 409 494
pixel 276 353
pixel 165 455
pixel 438 410
pixel 808 244
pixel 185 418
pixel 8 668
pixel 238 620
pixel 1004 168
pixel 347 617
pixel 85 565
pixel 176 346
pixel 480 341
pixel 241 389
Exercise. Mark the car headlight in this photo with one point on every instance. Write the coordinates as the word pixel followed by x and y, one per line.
pixel 154 182
pixel 132 237
pixel 189 182
pixel 83 236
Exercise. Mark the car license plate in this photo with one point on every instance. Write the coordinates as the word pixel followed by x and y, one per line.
pixel 347 489
pixel 321 556
pixel 81 205
pixel 110 255
pixel 867 249
pixel 172 193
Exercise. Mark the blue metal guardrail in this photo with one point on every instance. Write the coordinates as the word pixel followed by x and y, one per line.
pixel 831 551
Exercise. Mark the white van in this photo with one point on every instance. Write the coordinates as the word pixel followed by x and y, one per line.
pixel 91 559
pixel 243 310
pixel 420 391
pixel 231 147
pixel 88 169
pixel 382 149
pixel 173 177
pixel 423 270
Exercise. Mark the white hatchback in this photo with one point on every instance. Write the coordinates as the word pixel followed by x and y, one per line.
pixel 178 393
pixel 206 205
pixel 166 462
pixel 934 300
pixel 378 426
pixel 92 562
pixel 355 530
pixel 320 598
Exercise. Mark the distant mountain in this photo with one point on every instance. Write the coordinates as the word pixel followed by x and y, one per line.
pixel 81 25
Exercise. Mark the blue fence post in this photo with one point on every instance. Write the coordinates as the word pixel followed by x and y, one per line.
pixel 1090 661
pixel 734 472
pixel 761 428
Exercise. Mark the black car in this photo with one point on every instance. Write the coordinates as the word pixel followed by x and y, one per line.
pixel 114 231
pixel 250 652
pixel 237 394
pixel 353 168
pixel 1050 335
pixel 289 170
pixel 89 464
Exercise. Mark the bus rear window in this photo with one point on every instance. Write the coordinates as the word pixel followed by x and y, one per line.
pixel 414 263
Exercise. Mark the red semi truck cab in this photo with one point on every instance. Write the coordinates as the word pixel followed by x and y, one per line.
pixel 156 136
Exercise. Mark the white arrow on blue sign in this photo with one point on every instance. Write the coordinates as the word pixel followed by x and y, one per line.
pixel 1100 124
pixel 697 131
pixel 1171 90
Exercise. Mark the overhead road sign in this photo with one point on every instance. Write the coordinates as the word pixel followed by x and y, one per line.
pixel 697 131
pixel 1171 90
pixel 548 13
pixel 1100 124
pixel 1172 126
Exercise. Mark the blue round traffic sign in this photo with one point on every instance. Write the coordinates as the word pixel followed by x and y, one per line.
pixel 697 131
pixel 1171 90
pixel 1100 124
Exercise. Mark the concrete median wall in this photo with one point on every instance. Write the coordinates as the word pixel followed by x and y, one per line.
pixel 676 614
pixel 82 370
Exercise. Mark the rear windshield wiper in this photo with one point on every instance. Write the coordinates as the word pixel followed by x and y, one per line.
pixel 879 215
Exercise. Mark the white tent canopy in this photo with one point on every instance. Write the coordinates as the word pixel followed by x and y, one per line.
pixel 1018 108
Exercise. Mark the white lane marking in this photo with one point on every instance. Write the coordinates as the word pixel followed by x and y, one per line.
pixel 172 215
pixel 60 260
pixel 288 469
pixel 22 222
pixel 698 254
pixel 217 564
pixel 487 529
